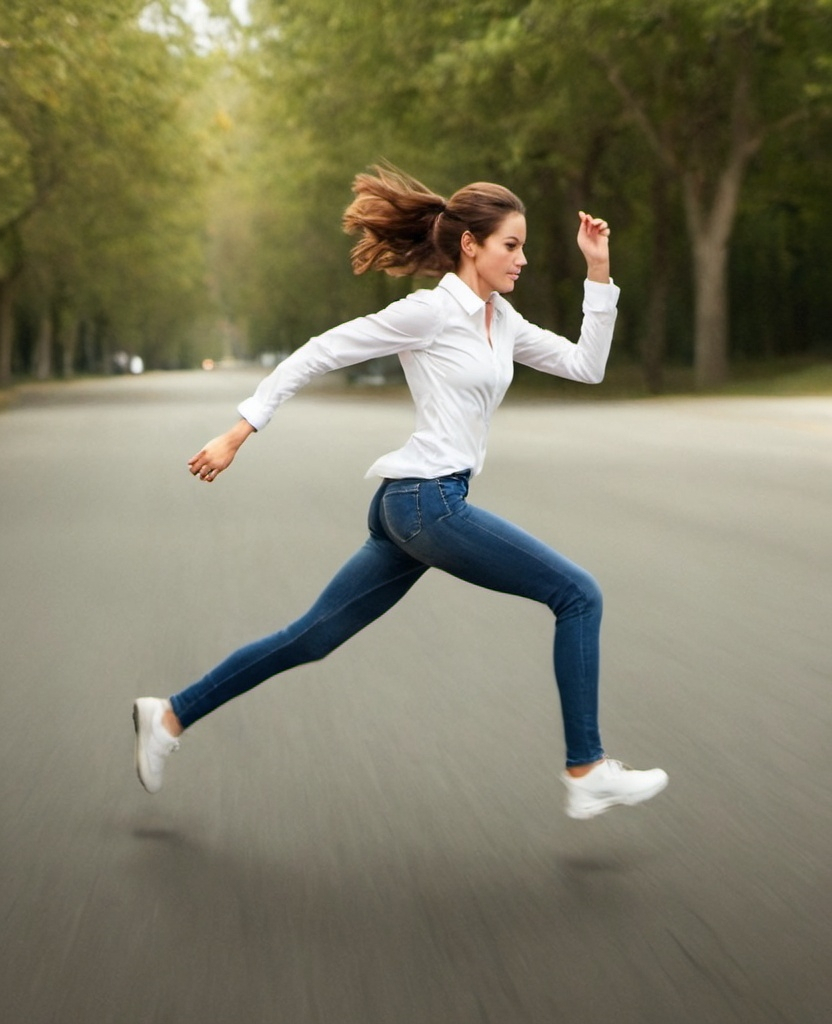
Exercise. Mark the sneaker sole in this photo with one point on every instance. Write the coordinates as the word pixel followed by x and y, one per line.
pixel 592 810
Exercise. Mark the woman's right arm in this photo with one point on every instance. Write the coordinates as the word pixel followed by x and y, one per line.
pixel 406 324
pixel 409 323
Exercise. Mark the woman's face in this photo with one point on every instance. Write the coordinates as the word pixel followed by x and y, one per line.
pixel 495 265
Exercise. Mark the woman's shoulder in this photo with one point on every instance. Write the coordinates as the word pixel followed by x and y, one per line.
pixel 423 311
pixel 429 298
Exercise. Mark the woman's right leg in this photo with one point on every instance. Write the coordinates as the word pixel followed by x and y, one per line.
pixel 377 576
pixel 433 522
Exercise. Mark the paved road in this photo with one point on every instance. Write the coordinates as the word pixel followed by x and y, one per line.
pixel 378 838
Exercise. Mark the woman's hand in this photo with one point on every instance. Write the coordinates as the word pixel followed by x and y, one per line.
pixel 219 453
pixel 594 243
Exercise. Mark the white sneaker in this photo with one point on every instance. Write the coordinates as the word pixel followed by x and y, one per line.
pixel 608 784
pixel 153 741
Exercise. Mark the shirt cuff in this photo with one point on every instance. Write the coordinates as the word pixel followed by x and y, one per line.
pixel 253 412
pixel 601 297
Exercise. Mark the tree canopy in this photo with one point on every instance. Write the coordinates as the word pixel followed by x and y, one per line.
pixel 179 196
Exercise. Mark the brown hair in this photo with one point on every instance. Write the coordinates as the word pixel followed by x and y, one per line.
pixel 408 230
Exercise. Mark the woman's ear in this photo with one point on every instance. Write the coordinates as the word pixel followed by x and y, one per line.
pixel 468 244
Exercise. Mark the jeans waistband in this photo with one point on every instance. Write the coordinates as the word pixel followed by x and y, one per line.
pixel 462 474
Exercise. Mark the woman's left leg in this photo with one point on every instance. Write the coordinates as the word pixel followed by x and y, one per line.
pixel 377 576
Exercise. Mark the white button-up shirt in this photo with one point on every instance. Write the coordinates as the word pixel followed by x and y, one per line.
pixel 456 377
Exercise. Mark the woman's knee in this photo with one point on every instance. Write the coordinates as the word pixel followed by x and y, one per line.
pixel 581 597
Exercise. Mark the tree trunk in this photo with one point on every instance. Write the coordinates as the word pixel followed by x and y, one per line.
pixel 6 331
pixel 67 338
pixel 710 231
pixel 42 357
pixel 654 340
pixel 710 345
pixel 87 345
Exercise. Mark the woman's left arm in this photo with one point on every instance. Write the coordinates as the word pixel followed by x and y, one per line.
pixel 585 360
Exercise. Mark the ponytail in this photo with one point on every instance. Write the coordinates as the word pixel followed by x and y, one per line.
pixel 407 230
pixel 395 215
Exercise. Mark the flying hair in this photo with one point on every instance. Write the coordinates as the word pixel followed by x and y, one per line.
pixel 408 230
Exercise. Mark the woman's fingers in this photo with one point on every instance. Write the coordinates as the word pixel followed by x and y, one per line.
pixel 219 453
pixel 197 462
pixel 594 225
pixel 201 465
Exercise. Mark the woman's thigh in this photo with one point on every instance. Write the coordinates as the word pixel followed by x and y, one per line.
pixel 433 522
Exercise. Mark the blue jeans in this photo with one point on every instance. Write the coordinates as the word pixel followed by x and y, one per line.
pixel 415 524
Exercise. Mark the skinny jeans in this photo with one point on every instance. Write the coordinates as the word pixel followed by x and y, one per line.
pixel 414 525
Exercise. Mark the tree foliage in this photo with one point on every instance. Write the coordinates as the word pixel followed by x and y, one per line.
pixel 662 113
pixel 96 218
pixel 707 86
pixel 180 196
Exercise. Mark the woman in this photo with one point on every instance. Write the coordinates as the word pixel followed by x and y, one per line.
pixel 457 344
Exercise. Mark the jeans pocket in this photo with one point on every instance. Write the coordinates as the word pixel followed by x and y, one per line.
pixel 401 512
pixel 451 492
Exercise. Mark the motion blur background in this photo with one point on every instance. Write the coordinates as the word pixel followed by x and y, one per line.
pixel 378 839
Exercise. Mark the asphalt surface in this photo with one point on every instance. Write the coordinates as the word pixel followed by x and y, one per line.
pixel 378 838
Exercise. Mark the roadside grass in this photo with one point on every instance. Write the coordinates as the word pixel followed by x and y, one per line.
pixel 787 380
pixel 624 381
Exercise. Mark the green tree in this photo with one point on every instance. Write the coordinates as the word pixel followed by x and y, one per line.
pixel 707 85
pixel 653 110
pixel 92 111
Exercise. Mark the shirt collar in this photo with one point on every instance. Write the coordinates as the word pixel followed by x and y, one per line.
pixel 465 296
